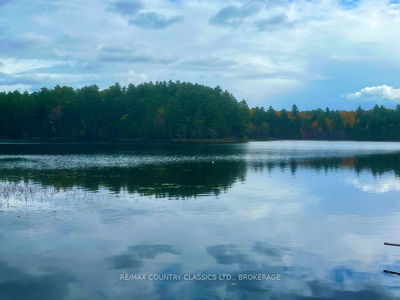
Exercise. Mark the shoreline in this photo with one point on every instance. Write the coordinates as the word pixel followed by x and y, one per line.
pixel 149 141
pixel 120 141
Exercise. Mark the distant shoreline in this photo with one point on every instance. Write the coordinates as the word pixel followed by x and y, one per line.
pixel 145 141
pixel 121 141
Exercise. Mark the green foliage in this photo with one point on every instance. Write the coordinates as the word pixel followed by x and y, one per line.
pixel 161 110
pixel 177 110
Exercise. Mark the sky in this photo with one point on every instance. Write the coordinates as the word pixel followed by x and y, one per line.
pixel 313 53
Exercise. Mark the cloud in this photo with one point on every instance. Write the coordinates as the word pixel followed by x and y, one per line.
pixel 134 257
pixel 383 92
pixel 16 44
pixel 152 20
pixel 377 185
pixel 206 63
pixel 273 23
pixel 19 66
pixel 146 20
pixel 227 254
pixel 127 7
pixel 234 15
pixel 127 55
pixel 19 80
pixel 281 52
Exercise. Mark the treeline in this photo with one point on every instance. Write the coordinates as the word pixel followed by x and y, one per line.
pixel 378 123
pixel 177 110
pixel 162 110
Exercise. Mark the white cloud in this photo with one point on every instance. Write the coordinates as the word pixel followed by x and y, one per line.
pixel 295 43
pixel 13 66
pixel 380 185
pixel 377 92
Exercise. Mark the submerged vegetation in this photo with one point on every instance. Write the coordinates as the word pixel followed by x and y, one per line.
pixel 177 110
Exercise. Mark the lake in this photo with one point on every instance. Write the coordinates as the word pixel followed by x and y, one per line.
pixel 257 220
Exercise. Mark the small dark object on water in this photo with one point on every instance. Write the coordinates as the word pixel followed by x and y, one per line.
pixel 391 272
pixel 387 271
pixel 391 244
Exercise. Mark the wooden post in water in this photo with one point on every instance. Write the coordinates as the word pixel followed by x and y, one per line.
pixel 387 271
pixel 391 244
pixel 391 272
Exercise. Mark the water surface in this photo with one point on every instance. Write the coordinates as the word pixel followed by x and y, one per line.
pixel 75 217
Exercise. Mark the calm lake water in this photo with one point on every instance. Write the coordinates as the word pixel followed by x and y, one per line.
pixel 74 217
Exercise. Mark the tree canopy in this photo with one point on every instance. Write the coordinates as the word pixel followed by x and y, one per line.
pixel 161 110
pixel 377 124
pixel 177 110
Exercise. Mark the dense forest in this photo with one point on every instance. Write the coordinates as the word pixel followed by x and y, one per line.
pixel 177 110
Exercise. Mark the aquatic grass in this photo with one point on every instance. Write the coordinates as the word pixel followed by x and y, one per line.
pixel 23 191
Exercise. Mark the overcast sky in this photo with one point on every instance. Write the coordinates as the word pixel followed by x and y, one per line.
pixel 315 53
